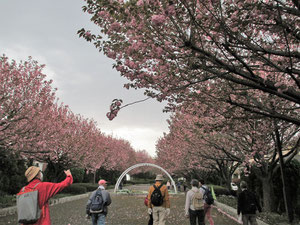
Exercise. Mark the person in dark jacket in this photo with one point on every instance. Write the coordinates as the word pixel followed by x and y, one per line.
pixel 247 205
pixel 46 190
pixel 99 218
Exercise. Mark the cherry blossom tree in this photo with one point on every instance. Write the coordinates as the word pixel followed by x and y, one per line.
pixel 180 49
pixel 34 124
pixel 193 150
pixel 26 100
pixel 214 141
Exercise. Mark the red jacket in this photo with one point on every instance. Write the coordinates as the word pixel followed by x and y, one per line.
pixel 46 191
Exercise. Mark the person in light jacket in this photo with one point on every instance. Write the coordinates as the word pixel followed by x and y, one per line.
pixel 190 211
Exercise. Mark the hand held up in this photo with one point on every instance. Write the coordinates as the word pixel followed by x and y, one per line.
pixel 67 172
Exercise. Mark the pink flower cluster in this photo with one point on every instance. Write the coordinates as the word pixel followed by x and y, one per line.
pixel 114 109
pixel 158 19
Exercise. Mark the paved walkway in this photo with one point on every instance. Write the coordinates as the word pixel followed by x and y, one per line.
pixel 125 210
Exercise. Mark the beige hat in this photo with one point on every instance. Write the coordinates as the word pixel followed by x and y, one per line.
pixel 31 172
pixel 159 177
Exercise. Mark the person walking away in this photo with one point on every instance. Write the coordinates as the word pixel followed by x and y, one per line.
pixel 168 185
pixel 247 205
pixel 178 185
pixel 207 207
pixel 97 205
pixel 194 205
pixel 184 186
pixel 158 201
pixel 150 222
pixel 46 190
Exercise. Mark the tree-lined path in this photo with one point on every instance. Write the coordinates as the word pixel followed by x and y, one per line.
pixel 125 210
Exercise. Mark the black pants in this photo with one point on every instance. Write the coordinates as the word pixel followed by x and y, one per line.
pixel 194 214
pixel 150 220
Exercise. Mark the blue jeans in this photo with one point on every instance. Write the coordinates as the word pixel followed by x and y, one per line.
pixel 98 219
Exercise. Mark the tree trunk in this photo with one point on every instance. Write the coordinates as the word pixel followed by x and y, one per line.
pixel 268 193
pixel 287 201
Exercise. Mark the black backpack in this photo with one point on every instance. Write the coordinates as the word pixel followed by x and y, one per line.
pixel 156 196
pixel 97 202
pixel 250 203
pixel 207 196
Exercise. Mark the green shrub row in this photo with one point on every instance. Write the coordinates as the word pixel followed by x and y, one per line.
pixel 140 181
pixel 89 187
pixel 81 188
pixel 7 201
pixel 219 190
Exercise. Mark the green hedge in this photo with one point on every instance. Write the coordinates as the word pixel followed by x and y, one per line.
pixel 7 201
pixel 89 187
pixel 140 181
pixel 228 200
pixel 219 190
pixel 75 189
pixel 81 188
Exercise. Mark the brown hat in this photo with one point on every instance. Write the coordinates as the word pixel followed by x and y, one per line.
pixel 31 172
pixel 159 177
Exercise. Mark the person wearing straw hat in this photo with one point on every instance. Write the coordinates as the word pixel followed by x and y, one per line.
pixel 159 211
pixel 46 190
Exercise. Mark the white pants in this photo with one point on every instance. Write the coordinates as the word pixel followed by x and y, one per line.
pixel 159 215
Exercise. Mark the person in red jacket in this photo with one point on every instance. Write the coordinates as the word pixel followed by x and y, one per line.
pixel 46 190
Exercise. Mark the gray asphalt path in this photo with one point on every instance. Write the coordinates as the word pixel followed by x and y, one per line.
pixel 124 210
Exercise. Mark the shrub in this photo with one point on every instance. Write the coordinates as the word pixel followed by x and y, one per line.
pixel 7 201
pixel 89 187
pixel 221 190
pixel 78 174
pixel 12 169
pixel 228 200
pixel 75 189
pixel 140 181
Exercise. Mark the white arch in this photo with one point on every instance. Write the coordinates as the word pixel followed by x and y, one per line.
pixel 139 165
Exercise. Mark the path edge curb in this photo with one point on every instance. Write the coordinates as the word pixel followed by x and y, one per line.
pixel 232 212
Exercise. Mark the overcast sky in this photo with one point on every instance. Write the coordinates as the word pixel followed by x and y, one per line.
pixel 47 31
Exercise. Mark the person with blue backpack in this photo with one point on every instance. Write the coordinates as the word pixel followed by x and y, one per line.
pixel 208 201
pixel 98 203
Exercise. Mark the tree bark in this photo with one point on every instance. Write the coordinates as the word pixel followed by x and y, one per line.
pixel 268 193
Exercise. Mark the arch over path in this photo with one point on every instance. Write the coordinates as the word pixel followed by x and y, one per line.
pixel 143 164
